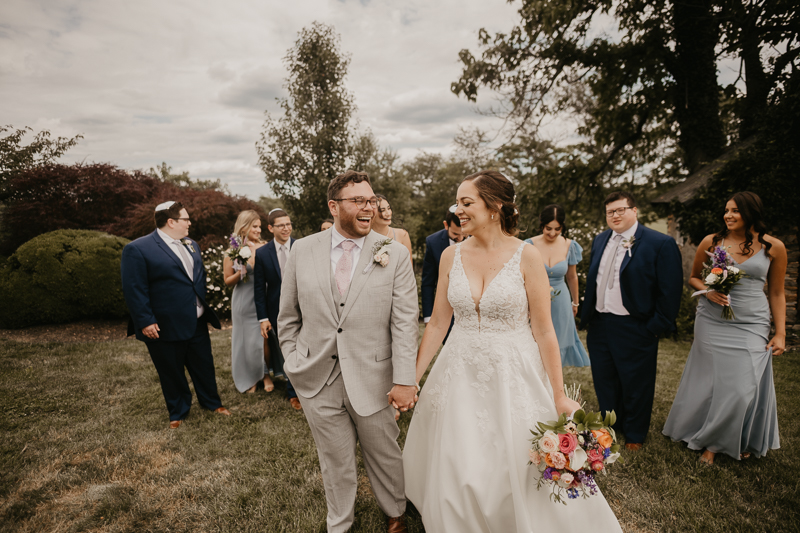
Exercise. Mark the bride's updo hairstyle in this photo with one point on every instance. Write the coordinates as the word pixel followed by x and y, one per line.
pixel 495 189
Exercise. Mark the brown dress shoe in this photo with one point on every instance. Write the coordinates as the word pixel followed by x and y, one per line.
pixel 397 525
pixel 633 446
pixel 222 411
pixel 174 424
pixel 295 403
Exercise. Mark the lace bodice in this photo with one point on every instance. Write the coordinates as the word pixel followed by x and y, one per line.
pixel 504 304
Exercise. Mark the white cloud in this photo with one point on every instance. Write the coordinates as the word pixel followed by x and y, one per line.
pixel 187 82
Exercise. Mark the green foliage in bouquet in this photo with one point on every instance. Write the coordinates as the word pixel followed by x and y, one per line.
pixel 62 276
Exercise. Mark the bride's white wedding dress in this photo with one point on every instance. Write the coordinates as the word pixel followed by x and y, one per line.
pixel 465 457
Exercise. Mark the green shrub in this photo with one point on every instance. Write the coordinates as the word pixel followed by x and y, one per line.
pixel 686 315
pixel 62 276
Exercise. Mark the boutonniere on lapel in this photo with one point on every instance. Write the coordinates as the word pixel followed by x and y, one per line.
pixel 628 244
pixel 187 243
pixel 380 254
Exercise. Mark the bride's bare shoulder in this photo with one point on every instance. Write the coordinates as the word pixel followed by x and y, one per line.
pixel 531 254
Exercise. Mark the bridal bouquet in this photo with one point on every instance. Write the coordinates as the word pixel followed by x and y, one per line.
pixel 239 253
pixel 721 276
pixel 571 451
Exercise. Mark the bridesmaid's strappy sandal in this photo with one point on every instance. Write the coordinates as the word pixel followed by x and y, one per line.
pixel 268 385
pixel 745 455
pixel 251 390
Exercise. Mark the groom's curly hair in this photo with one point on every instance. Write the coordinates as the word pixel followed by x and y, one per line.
pixel 340 182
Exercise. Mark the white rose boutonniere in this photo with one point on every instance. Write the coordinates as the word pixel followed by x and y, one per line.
pixel 187 243
pixel 628 244
pixel 380 255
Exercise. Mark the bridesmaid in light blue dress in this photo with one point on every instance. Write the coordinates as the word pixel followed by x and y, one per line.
pixel 553 244
pixel 726 399
pixel 248 365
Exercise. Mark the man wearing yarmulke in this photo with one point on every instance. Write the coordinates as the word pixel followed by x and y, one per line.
pixel 164 283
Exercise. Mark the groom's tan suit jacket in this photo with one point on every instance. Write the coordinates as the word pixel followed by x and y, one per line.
pixel 372 329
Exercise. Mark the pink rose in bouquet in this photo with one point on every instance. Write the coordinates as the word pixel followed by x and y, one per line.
pixel 567 442
pixel 594 454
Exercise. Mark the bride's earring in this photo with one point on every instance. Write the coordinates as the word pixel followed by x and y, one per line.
pixel 492 216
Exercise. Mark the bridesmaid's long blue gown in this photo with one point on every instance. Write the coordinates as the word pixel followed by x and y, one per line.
pixel 572 351
pixel 247 344
pixel 726 399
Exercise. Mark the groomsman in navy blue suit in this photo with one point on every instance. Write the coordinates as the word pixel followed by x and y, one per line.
pixel 434 246
pixel 267 275
pixel 164 283
pixel 633 293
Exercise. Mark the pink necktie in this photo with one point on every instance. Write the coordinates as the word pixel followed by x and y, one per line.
pixel 343 267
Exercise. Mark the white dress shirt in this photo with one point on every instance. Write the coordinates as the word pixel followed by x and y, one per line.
pixel 613 296
pixel 336 250
pixel 174 245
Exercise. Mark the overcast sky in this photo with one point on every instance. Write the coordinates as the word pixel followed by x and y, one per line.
pixel 187 82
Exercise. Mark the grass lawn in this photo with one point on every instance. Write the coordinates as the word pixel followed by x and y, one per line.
pixel 86 447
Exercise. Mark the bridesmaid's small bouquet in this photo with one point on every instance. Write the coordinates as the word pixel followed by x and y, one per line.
pixel 571 451
pixel 239 253
pixel 719 275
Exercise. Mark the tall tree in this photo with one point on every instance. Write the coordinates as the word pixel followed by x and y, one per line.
pixel 652 85
pixel 311 143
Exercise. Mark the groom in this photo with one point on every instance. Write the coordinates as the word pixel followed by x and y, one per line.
pixel 348 329
pixel 633 293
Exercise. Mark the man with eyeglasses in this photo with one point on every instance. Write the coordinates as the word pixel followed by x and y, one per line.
pixel 348 328
pixel 633 294
pixel 270 264
pixel 164 283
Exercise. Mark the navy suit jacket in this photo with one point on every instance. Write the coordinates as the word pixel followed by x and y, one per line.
pixel 650 279
pixel 267 277
pixel 158 290
pixel 435 245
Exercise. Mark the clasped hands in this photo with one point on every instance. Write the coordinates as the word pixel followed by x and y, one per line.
pixel 403 397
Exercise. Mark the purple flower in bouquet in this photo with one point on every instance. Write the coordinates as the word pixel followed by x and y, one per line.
pixel 720 275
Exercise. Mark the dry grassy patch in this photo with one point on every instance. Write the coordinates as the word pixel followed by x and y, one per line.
pixel 86 448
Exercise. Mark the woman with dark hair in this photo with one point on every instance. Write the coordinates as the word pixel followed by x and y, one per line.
pixel 554 245
pixel 498 375
pixel 382 221
pixel 726 399
pixel 327 223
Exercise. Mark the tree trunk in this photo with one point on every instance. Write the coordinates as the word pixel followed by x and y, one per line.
pixel 696 97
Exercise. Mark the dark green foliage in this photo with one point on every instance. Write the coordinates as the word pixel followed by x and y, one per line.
pixel 303 150
pixel 768 168
pixel 62 276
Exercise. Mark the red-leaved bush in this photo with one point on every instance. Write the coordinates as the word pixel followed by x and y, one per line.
pixel 105 198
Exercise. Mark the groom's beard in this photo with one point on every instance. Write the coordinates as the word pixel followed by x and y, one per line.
pixel 350 226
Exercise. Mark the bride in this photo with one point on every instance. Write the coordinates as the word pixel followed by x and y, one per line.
pixel 465 457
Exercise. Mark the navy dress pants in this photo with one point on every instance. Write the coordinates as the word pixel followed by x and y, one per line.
pixel 170 359
pixel 623 353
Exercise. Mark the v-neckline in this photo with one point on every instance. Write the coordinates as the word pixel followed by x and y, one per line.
pixel 748 259
pixel 488 285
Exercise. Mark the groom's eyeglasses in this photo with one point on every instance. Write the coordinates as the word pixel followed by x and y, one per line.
pixel 360 201
pixel 619 212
